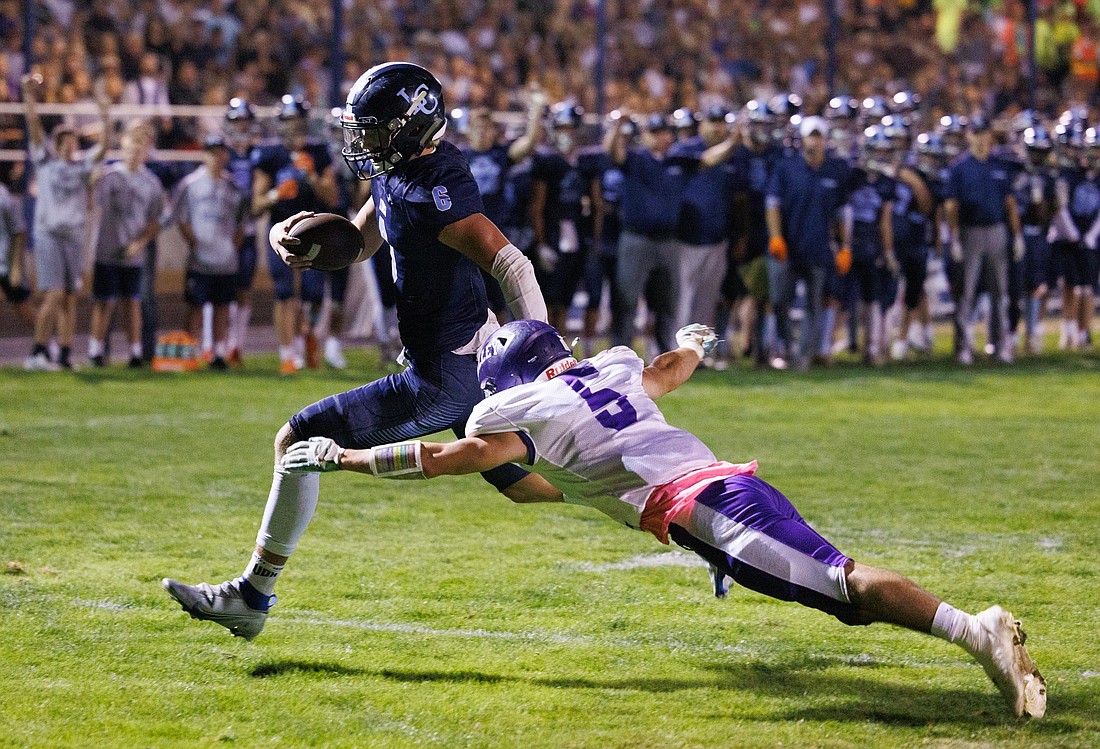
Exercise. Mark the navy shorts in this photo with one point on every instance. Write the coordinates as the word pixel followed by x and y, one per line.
pixel 432 394
pixel 246 263
pixel 562 282
pixel 311 283
pixel 111 282
pixel 14 294
pixel 201 288
pixel 914 268
pixel 1036 260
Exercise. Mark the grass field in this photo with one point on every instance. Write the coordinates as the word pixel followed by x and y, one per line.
pixel 438 614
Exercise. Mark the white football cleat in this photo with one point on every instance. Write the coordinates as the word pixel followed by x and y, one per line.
pixel 1000 649
pixel 222 604
pixel 39 363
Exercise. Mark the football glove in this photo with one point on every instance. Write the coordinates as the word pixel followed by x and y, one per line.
pixel 697 337
pixel 777 247
pixel 315 455
pixel 548 258
pixel 843 261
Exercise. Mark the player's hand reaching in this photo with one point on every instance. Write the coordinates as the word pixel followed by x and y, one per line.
pixel 697 337
pixel 315 455
pixel 280 239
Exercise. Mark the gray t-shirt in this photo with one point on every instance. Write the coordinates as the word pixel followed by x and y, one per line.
pixel 215 209
pixel 11 223
pixel 126 203
pixel 61 206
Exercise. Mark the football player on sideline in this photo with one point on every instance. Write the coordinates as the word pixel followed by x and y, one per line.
pixel 425 204
pixel 593 430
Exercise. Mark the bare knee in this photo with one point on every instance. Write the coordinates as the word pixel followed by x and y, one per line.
pixel 283 440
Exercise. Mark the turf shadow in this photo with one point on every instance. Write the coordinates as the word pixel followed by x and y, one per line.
pixel 264 670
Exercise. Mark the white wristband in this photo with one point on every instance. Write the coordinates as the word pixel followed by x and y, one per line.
pixel 400 460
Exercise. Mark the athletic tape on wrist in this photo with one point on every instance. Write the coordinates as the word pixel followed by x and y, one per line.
pixel 401 460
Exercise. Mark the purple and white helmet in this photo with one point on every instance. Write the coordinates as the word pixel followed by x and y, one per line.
pixel 521 351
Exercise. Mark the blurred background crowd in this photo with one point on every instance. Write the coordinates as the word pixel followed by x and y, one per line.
pixel 741 89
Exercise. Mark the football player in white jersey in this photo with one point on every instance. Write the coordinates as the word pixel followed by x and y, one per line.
pixel 592 429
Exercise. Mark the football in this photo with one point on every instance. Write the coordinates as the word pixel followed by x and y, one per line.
pixel 328 239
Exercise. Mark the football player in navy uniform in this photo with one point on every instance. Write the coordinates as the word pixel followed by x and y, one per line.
pixel 557 209
pixel 490 163
pixel 604 180
pixel 425 204
pixel 1078 206
pixel 1033 187
pixel 874 265
pixel 240 137
pixel 293 176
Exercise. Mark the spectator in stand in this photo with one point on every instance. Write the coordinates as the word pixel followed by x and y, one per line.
pixel 60 225
pixel 211 212
pixel 805 194
pixel 129 201
pixel 981 212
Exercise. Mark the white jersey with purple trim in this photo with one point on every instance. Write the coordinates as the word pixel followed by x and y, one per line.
pixel 594 434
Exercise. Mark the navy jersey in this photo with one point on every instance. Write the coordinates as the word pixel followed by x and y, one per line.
pixel 1034 193
pixel 980 187
pixel 490 170
pixel 706 213
pixel 240 171
pixel 565 193
pixel 596 166
pixel 1084 198
pixel 441 299
pixel 291 170
pixel 910 223
pixel 870 194
pixel 808 201
pixel 756 168
pixel 652 191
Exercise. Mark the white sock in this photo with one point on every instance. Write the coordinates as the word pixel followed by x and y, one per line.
pixel 244 316
pixel 135 350
pixel 95 348
pixel 953 625
pixel 232 335
pixel 290 507
pixel 928 334
pixel 262 574
pixel 286 352
pixel 207 326
pixel 220 349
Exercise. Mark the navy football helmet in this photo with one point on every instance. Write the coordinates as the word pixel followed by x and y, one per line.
pixel 521 351
pixel 566 114
pixel 293 108
pixel 239 110
pixel 393 112
pixel 842 108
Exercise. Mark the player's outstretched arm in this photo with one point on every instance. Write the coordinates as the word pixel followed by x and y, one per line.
pixel 672 369
pixel 420 460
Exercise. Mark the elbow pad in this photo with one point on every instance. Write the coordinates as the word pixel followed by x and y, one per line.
pixel 516 276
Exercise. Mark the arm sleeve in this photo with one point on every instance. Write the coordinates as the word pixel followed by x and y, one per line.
pixel 516 276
